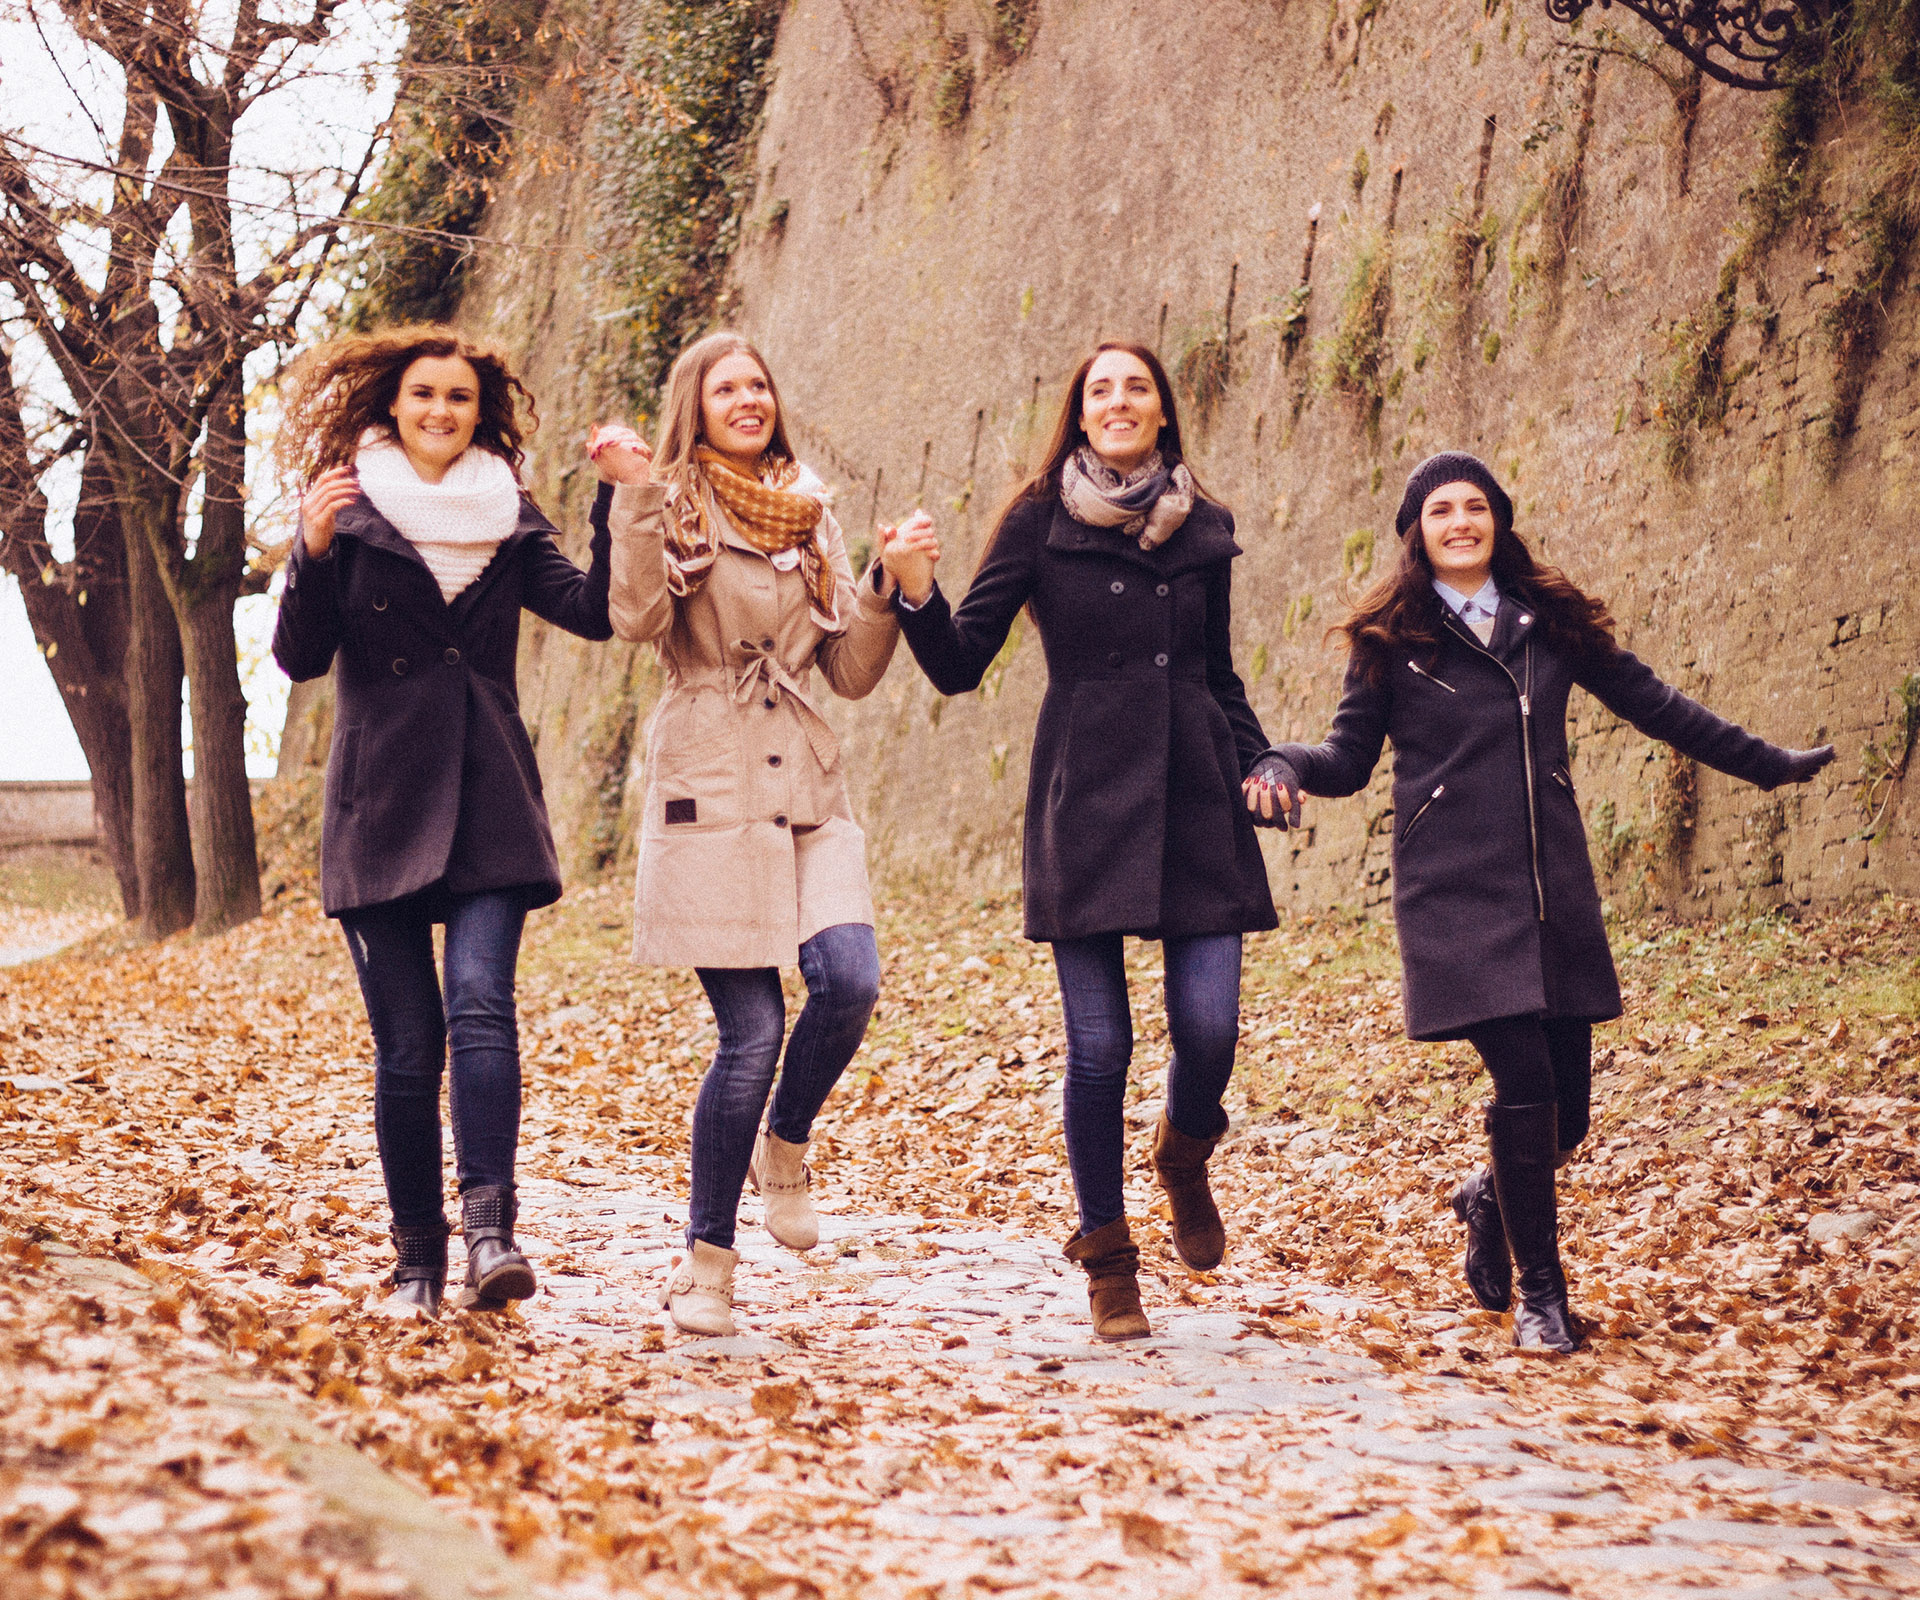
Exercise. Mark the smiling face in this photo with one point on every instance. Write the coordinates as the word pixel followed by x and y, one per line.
pixel 737 408
pixel 1120 410
pixel 436 411
pixel 1457 527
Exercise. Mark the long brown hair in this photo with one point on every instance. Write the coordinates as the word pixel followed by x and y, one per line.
pixel 338 390
pixel 1069 434
pixel 682 422
pixel 1400 615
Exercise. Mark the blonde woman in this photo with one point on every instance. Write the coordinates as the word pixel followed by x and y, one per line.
pixel 726 559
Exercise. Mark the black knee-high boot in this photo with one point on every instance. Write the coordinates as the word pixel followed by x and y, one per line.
pixel 1525 1148
pixel 1489 1268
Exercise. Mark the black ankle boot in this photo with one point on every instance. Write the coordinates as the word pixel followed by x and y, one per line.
pixel 420 1273
pixel 496 1270
pixel 1489 1267
pixel 1524 1150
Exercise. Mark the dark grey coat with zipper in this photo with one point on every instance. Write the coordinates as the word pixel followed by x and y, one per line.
pixel 1135 822
pixel 431 778
pixel 1493 891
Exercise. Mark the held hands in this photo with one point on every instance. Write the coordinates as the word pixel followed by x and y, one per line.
pixel 1273 793
pixel 325 498
pixel 619 454
pixel 908 553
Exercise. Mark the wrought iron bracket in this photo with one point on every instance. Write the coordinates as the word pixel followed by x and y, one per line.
pixel 1751 44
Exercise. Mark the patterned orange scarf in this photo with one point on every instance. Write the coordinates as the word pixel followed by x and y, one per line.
pixel 765 511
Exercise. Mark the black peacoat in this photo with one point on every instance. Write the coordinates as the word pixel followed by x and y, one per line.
pixel 431 778
pixel 1493 890
pixel 1135 821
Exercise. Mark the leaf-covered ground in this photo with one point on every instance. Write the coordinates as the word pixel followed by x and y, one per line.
pixel 1741 1231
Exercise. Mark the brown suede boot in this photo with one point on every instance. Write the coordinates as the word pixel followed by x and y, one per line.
pixel 1112 1263
pixel 1180 1163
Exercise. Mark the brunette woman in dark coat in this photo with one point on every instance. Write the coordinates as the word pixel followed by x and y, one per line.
pixel 1138 820
pixel 1464 657
pixel 417 551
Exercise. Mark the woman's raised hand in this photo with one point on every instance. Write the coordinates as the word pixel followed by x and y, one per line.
pixel 325 498
pixel 908 553
pixel 619 454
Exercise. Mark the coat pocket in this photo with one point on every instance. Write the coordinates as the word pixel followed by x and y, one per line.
pixel 1419 816
pixel 693 754
pixel 344 769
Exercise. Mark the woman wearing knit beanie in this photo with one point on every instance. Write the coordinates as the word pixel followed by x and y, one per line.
pixel 1140 791
pixel 417 550
pixel 1464 656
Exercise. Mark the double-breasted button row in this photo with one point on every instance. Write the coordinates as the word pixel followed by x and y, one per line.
pixel 1159 588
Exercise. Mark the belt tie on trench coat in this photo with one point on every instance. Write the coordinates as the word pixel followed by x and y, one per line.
pixel 764 672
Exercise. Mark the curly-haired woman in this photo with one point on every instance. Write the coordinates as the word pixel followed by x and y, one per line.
pixel 1464 656
pixel 417 550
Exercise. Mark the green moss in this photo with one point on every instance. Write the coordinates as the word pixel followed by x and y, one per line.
pixel 1695 388
pixel 1357 173
pixel 1353 355
pixel 1010 28
pixel 676 170
pixel 1356 553
pixel 462 75
pixel 953 85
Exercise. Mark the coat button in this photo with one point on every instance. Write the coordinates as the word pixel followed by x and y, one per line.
pixel 1113 658
pixel 779 822
pixel 399 666
pixel 451 656
pixel 773 761
pixel 379 602
pixel 1079 538
pixel 1525 618
pixel 1161 659
pixel 1162 590
pixel 1117 586
pixel 769 702
pixel 766 644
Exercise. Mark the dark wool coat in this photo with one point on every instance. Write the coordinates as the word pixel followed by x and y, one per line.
pixel 1492 887
pixel 1135 822
pixel 431 777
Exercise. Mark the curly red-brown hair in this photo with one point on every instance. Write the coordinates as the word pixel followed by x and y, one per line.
pixel 338 390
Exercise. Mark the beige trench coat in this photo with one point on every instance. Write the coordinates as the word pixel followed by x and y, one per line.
pixel 748 846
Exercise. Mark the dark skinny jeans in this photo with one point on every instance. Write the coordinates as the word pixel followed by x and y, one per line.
pixel 1203 1026
pixel 841 966
pixel 1534 1059
pixel 413 1027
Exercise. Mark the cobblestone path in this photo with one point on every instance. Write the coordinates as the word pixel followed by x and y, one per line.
pixel 1017 1456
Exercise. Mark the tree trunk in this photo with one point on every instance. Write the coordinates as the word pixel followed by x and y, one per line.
pixel 162 847
pixel 225 857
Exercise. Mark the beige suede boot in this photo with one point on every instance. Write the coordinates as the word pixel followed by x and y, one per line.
pixel 781 1177
pixel 699 1291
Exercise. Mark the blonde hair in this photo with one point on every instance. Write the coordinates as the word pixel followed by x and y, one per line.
pixel 682 425
pixel 338 390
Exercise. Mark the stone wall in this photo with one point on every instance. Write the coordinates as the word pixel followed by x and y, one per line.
pixel 1516 252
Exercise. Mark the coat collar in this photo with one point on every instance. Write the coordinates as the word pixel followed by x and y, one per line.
pixel 361 521
pixel 1203 539
pixel 1513 625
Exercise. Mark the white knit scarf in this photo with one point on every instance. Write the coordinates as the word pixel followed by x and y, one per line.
pixel 456 524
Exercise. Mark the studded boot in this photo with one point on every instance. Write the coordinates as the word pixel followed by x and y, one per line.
pixel 496 1270
pixel 781 1177
pixel 420 1268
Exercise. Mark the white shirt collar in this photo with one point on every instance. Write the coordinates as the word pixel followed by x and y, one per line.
pixel 1485 604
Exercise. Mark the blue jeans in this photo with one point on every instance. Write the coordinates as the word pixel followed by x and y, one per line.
pixel 392 949
pixel 1203 1026
pixel 841 966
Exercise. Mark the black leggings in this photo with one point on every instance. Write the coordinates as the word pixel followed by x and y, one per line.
pixel 1534 1059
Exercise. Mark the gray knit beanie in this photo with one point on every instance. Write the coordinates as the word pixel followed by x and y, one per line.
pixel 1452 466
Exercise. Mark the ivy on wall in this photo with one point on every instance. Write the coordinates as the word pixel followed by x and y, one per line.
pixel 463 72
pixel 675 160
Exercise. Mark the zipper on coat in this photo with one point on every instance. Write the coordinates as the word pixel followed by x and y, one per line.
pixel 1563 780
pixel 1525 692
pixel 1431 678
pixel 1407 832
